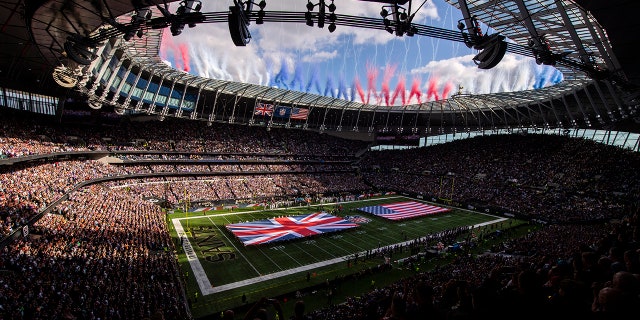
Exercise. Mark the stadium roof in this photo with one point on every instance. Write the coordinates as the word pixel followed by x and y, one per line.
pixel 594 37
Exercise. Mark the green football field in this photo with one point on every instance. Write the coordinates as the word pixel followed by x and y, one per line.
pixel 221 269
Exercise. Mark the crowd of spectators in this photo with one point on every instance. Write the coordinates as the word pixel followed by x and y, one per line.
pixel 26 189
pixel 552 178
pixel 103 255
pixel 101 244
pixel 558 272
pixel 23 136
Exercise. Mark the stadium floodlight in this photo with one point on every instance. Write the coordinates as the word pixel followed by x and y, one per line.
pixel 400 18
pixel 322 15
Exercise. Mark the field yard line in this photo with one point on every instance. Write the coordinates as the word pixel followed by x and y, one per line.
pixel 192 257
pixel 234 246
pixel 308 267
pixel 332 243
pixel 288 255
pixel 264 254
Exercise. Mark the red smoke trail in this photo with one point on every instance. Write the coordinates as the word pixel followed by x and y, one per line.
pixel 184 51
pixel 432 91
pixel 177 61
pixel 400 90
pixel 180 53
pixel 386 77
pixel 372 74
pixel 415 90
pixel 446 90
pixel 165 43
pixel 359 89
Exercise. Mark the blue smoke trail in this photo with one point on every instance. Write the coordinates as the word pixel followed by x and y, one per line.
pixel 313 78
pixel 342 89
pixel 282 76
pixel 557 77
pixel 353 91
pixel 541 78
pixel 328 89
pixel 296 83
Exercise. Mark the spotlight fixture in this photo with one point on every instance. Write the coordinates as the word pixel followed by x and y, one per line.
pixel 492 47
pixel 322 15
pixel 397 18
pixel 238 24
pixel 185 15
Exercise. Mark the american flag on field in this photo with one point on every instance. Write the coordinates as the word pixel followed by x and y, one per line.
pixel 263 109
pixel 285 228
pixel 403 210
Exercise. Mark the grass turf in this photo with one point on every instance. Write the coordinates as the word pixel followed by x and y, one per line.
pixel 226 260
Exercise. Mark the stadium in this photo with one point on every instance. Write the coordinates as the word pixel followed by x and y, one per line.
pixel 132 188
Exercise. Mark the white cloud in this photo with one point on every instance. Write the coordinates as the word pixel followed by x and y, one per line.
pixel 320 56
pixel 513 73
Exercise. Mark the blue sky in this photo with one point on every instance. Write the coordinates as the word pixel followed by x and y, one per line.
pixel 370 66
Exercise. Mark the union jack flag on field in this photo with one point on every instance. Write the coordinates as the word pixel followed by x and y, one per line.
pixel 403 210
pixel 285 228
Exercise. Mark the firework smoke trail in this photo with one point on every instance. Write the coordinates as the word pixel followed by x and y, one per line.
pixel 342 89
pixel 415 90
pixel 296 82
pixel 208 65
pixel 165 43
pixel 432 90
pixel 353 92
pixel 557 77
pixel 400 90
pixel 372 74
pixel 180 58
pixel 542 77
pixel 358 88
pixel 282 76
pixel 386 77
pixel 314 82
pixel 328 89
pixel 184 52
pixel 447 88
